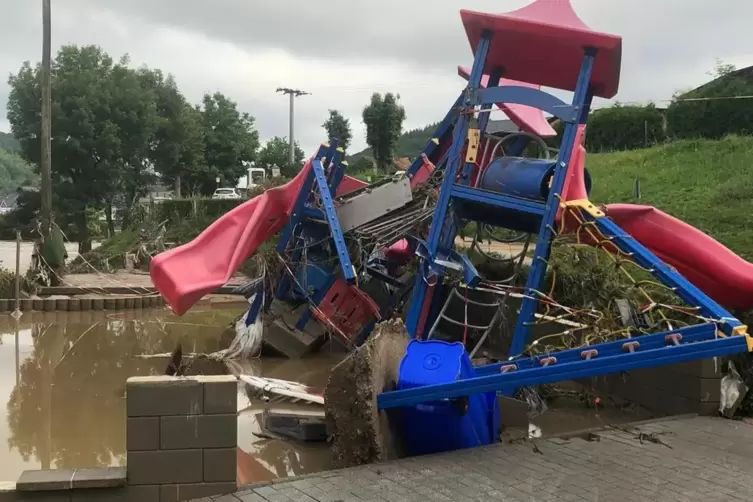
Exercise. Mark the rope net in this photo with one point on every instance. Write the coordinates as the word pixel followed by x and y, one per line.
pixel 583 258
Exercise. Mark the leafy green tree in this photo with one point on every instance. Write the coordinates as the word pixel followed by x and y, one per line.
pixel 721 69
pixel 337 126
pixel 383 117
pixel 177 148
pixel 276 153
pixel 14 172
pixel 9 143
pixel 230 141
pixel 134 115
pixel 102 120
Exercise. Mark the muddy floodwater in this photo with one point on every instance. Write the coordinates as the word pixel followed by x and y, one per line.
pixel 62 380
pixel 62 383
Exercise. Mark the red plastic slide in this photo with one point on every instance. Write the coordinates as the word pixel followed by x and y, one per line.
pixel 708 264
pixel 185 274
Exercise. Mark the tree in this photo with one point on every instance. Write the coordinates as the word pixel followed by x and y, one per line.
pixel 721 69
pixel 383 118
pixel 276 153
pixel 134 114
pixel 101 119
pixel 230 142
pixel 338 127
pixel 14 172
pixel 177 148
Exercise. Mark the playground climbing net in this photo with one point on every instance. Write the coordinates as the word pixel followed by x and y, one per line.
pixel 596 292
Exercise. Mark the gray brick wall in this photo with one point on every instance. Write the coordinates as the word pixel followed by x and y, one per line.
pixel 182 435
pixel 691 387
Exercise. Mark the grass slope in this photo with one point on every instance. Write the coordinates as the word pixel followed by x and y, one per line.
pixel 705 183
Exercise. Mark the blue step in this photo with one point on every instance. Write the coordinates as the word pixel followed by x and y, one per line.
pixel 495 199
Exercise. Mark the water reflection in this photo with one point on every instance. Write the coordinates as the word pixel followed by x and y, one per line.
pixel 63 378
pixel 66 406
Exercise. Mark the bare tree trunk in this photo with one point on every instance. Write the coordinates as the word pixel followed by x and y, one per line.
pixel 110 221
pixel 176 190
pixel 84 241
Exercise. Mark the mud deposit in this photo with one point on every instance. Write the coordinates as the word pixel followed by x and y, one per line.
pixel 361 433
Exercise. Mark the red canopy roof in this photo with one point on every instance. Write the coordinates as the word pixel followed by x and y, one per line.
pixel 527 118
pixel 543 44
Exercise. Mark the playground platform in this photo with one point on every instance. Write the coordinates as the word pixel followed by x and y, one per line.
pixel 701 459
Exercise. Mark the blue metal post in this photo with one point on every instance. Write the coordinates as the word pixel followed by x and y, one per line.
pixel 483 121
pixel 334 223
pixel 537 271
pixel 440 212
pixel 441 131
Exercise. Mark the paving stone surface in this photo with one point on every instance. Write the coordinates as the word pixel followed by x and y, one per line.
pixel 702 459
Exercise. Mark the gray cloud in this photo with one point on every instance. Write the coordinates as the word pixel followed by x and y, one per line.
pixel 410 47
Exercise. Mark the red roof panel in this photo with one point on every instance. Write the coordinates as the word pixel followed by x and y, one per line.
pixel 543 44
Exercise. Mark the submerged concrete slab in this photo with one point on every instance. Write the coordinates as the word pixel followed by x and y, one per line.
pixel 70 479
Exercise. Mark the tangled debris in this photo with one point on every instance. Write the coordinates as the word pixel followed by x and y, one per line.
pixel 361 433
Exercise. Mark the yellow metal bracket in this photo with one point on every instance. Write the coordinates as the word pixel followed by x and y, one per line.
pixel 743 331
pixel 584 205
pixel 474 140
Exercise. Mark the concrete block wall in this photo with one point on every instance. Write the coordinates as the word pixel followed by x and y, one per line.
pixel 182 435
pixel 692 387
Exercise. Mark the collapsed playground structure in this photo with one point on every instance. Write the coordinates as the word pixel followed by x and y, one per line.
pixel 350 256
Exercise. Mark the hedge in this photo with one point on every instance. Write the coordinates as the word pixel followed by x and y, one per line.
pixel 619 128
pixel 714 118
pixel 176 211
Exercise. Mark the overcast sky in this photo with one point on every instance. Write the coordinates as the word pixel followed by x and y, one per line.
pixel 343 50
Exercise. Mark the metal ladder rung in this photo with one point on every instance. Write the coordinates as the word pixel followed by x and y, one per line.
pixel 474 302
pixel 455 294
pixel 458 323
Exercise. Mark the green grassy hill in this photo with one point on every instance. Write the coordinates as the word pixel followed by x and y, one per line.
pixel 706 183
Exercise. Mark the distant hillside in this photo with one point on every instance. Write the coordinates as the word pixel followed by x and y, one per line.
pixel 9 143
pixel 410 144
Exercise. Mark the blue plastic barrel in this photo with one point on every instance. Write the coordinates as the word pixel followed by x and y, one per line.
pixel 439 426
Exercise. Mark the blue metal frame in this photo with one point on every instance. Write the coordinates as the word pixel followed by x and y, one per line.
pixel 514 94
pixel 441 131
pixel 292 230
pixel 529 305
pixel 334 223
pixel 701 344
pixel 437 235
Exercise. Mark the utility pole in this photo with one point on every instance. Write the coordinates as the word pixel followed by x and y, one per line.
pixel 46 157
pixel 293 93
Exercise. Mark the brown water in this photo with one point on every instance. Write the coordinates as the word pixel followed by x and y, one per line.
pixel 62 377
